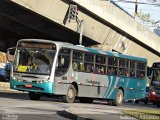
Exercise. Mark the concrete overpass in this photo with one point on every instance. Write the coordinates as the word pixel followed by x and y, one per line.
pixel 105 24
pixel 17 22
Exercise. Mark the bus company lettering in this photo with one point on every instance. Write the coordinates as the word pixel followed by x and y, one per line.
pixel 92 82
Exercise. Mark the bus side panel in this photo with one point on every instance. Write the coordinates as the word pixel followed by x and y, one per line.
pixel 135 88
pixel 61 88
pixel 110 91
pixel 92 85
pixel 86 88
pixel 129 89
pixel 141 87
pixel 88 91
pixel 115 83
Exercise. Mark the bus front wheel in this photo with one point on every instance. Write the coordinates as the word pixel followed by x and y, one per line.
pixel 34 96
pixel 110 102
pixel 119 98
pixel 71 94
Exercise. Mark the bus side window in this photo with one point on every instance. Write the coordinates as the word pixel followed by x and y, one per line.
pixel 127 73
pixel 142 75
pixel 102 70
pixel 80 67
pixel 63 61
pixel 123 67
pixel 132 68
pixel 112 66
pixel 77 63
pixel 110 71
pixel 97 69
pixel 75 66
pixel 132 73
pixel 100 64
pixel 140 71
pixel 88 62
pixel 88 68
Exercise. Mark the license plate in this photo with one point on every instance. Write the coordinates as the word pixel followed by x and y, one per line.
pixel 28 85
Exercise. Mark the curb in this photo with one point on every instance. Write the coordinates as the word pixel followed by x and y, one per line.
pixel 5 86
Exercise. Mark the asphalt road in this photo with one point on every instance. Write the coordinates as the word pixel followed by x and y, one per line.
pixel 17 106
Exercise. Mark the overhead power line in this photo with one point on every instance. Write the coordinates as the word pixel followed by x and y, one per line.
pixel 126 1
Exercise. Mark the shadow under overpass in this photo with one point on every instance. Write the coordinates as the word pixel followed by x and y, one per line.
pixel 17 22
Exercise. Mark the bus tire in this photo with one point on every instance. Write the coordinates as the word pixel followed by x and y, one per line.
pixel 110 102
pixel 71 94
pixel 34 96
pixel 154 103
pixel 146 102
pixel 86 100
pixel 137 101
pixel 158 105
pixel 119 98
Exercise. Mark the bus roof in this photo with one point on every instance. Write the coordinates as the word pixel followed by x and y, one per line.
pixel 87 49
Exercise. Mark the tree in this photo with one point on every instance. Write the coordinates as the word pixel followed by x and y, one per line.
pixel 145 19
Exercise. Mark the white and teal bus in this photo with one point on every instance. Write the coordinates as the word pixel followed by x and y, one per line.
pixel 63 69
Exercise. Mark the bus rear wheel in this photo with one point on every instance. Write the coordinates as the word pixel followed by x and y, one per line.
pixel 110 102
pixel 86 100
pixel 71 94
pixel 119 98
pixel 137 101
pixel 158 104
pixel 34 96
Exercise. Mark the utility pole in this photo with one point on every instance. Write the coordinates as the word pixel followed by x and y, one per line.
pixel 136 8
pixel 81 31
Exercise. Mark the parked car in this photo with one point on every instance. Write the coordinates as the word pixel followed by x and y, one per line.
pixel 5 73
pixel 8 70
pixel 2 74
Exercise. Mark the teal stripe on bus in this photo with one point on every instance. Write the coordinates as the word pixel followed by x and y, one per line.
pixel 113 79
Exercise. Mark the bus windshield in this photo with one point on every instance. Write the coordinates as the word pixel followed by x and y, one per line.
pixel 156 76
pixel 34 60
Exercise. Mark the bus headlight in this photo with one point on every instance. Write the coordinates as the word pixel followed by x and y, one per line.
pixel 13 78
pixel 153 93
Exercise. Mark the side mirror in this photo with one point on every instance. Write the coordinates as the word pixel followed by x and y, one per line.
pixel 149 71
pixel 10 54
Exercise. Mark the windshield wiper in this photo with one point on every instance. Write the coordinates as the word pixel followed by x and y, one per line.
pixel 29 76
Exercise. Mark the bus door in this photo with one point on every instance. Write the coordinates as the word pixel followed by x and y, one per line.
pixel 62 71
pixel 132 82
pixel 140 79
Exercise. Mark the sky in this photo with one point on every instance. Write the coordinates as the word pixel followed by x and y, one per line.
pixel 153 10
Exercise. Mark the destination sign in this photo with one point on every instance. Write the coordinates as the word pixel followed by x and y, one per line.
pixel 36 45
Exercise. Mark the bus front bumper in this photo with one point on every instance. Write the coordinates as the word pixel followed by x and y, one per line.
pixel 45 87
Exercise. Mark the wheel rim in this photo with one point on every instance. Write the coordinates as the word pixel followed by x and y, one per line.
pixel 119 97
pixel 70 94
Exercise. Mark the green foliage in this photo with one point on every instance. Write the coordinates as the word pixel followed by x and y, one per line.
pixel 143 114
pixel 145 18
